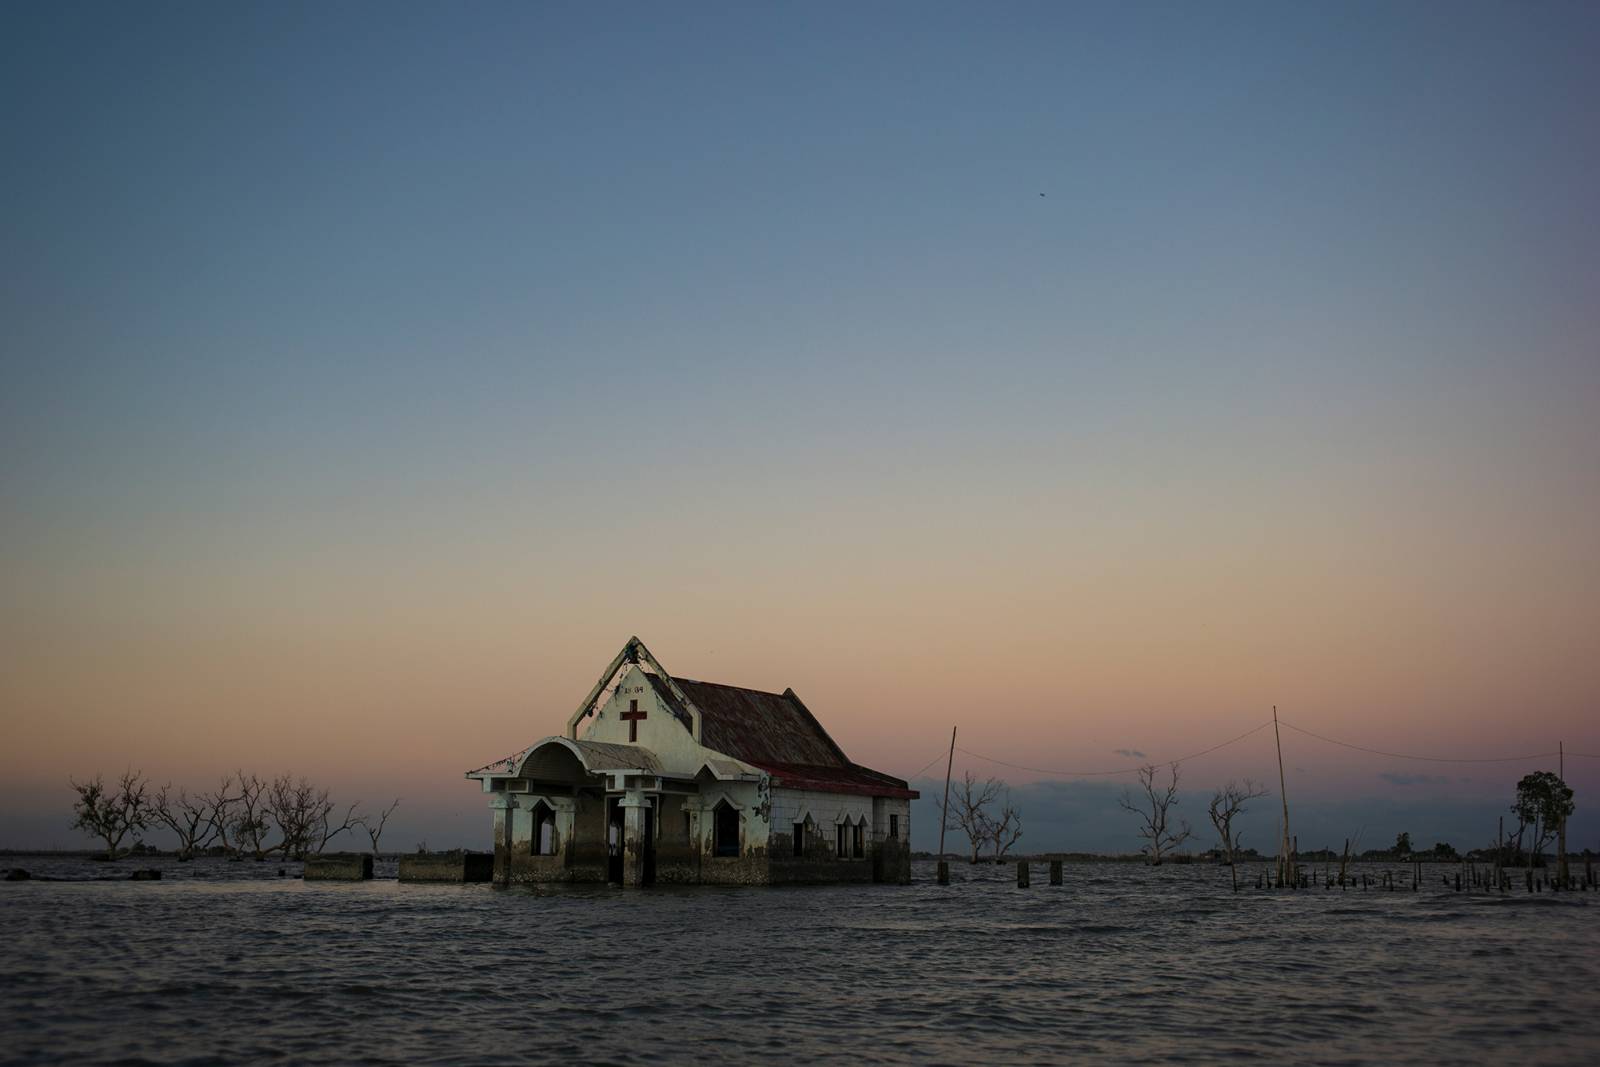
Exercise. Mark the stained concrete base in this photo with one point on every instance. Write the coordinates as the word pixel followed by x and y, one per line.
pixel 449 867
pixel 341 867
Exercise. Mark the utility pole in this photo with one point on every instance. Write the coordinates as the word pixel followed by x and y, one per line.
pixel 1283 791
pixel 1561 829
pixel 944 813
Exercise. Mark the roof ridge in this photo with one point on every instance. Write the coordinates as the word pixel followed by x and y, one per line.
pixel 725 685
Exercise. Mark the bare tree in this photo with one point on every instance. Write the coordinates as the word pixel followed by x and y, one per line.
pixel 1155 809
pixel 968 810
pixel 296 808
pixel 326 830
pixel 1227 803
pixel 1005 830
pixel 250 822
pixel 375 830
pixel 111 814
pixel 221 802
pixel 192 819
pixel 304 815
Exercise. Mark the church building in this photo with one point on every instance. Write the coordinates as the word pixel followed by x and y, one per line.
pixel 664 779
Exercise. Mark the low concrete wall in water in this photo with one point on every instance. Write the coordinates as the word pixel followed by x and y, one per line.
pixel 450 867
pixel 344 867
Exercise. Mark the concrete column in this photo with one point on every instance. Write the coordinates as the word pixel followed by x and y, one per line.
pixel 501 805
pixel 633 842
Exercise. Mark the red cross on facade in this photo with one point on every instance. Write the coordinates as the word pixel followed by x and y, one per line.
pixel 632 717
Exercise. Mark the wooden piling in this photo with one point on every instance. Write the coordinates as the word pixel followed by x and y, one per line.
pixel 1022 874
pixel 1055 874
pixel 944 873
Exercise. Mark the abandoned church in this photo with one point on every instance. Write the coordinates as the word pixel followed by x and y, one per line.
pixel 663 779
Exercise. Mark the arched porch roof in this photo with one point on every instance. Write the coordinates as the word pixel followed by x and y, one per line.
pixel 562 757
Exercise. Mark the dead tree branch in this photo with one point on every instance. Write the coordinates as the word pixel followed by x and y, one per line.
pixel 1154 809
pixel 375 829
pixel 968 810
pixel 1226 804
pixel 111 814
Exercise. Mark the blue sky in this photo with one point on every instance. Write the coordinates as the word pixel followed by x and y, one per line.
pixel 371 371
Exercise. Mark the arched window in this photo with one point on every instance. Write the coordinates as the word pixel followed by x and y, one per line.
pixel 858 834
pixel 841 848
pixel 726 842
pixel 544 830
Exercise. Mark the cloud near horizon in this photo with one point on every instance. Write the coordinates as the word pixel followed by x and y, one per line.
pixel 1404 779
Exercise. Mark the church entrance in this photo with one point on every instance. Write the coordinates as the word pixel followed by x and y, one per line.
pixel 616 838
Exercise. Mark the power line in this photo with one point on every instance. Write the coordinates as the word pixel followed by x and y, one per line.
pixel 1241 737
pixel 1424 759
pixel 1123 770
pixel 925 766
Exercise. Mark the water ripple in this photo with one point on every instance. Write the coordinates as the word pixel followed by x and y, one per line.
pixel 229 963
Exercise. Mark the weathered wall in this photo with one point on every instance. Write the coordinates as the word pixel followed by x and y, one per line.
pixel 825 812
pixel 580 839
pixel 677 854
pixel 585 847
pixel 754 804
pixel 891 856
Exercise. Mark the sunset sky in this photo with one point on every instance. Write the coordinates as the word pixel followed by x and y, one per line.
pixel 1090 377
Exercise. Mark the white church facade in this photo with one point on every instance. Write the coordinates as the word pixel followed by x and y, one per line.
pixel 660 779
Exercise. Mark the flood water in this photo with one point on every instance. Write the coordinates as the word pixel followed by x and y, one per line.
pixel 227 963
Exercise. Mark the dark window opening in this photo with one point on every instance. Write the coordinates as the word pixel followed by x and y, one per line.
pixel 842 847
pixel 858 847
pixel 544 831
pixel 799 839
pixel 727 835
pixel 894 826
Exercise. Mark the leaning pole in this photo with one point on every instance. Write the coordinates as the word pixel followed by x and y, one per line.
pixel 1284 871
pixel 944 812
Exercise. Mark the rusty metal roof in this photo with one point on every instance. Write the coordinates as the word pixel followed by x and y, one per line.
pixel 852 779
pixel 760 727
pixel 778 733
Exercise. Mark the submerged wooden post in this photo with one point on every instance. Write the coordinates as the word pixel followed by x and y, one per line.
pixel 944 873
pixel 1022 874
pixel 1055 872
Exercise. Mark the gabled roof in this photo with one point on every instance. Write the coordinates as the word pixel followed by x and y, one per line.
pixel 778 733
